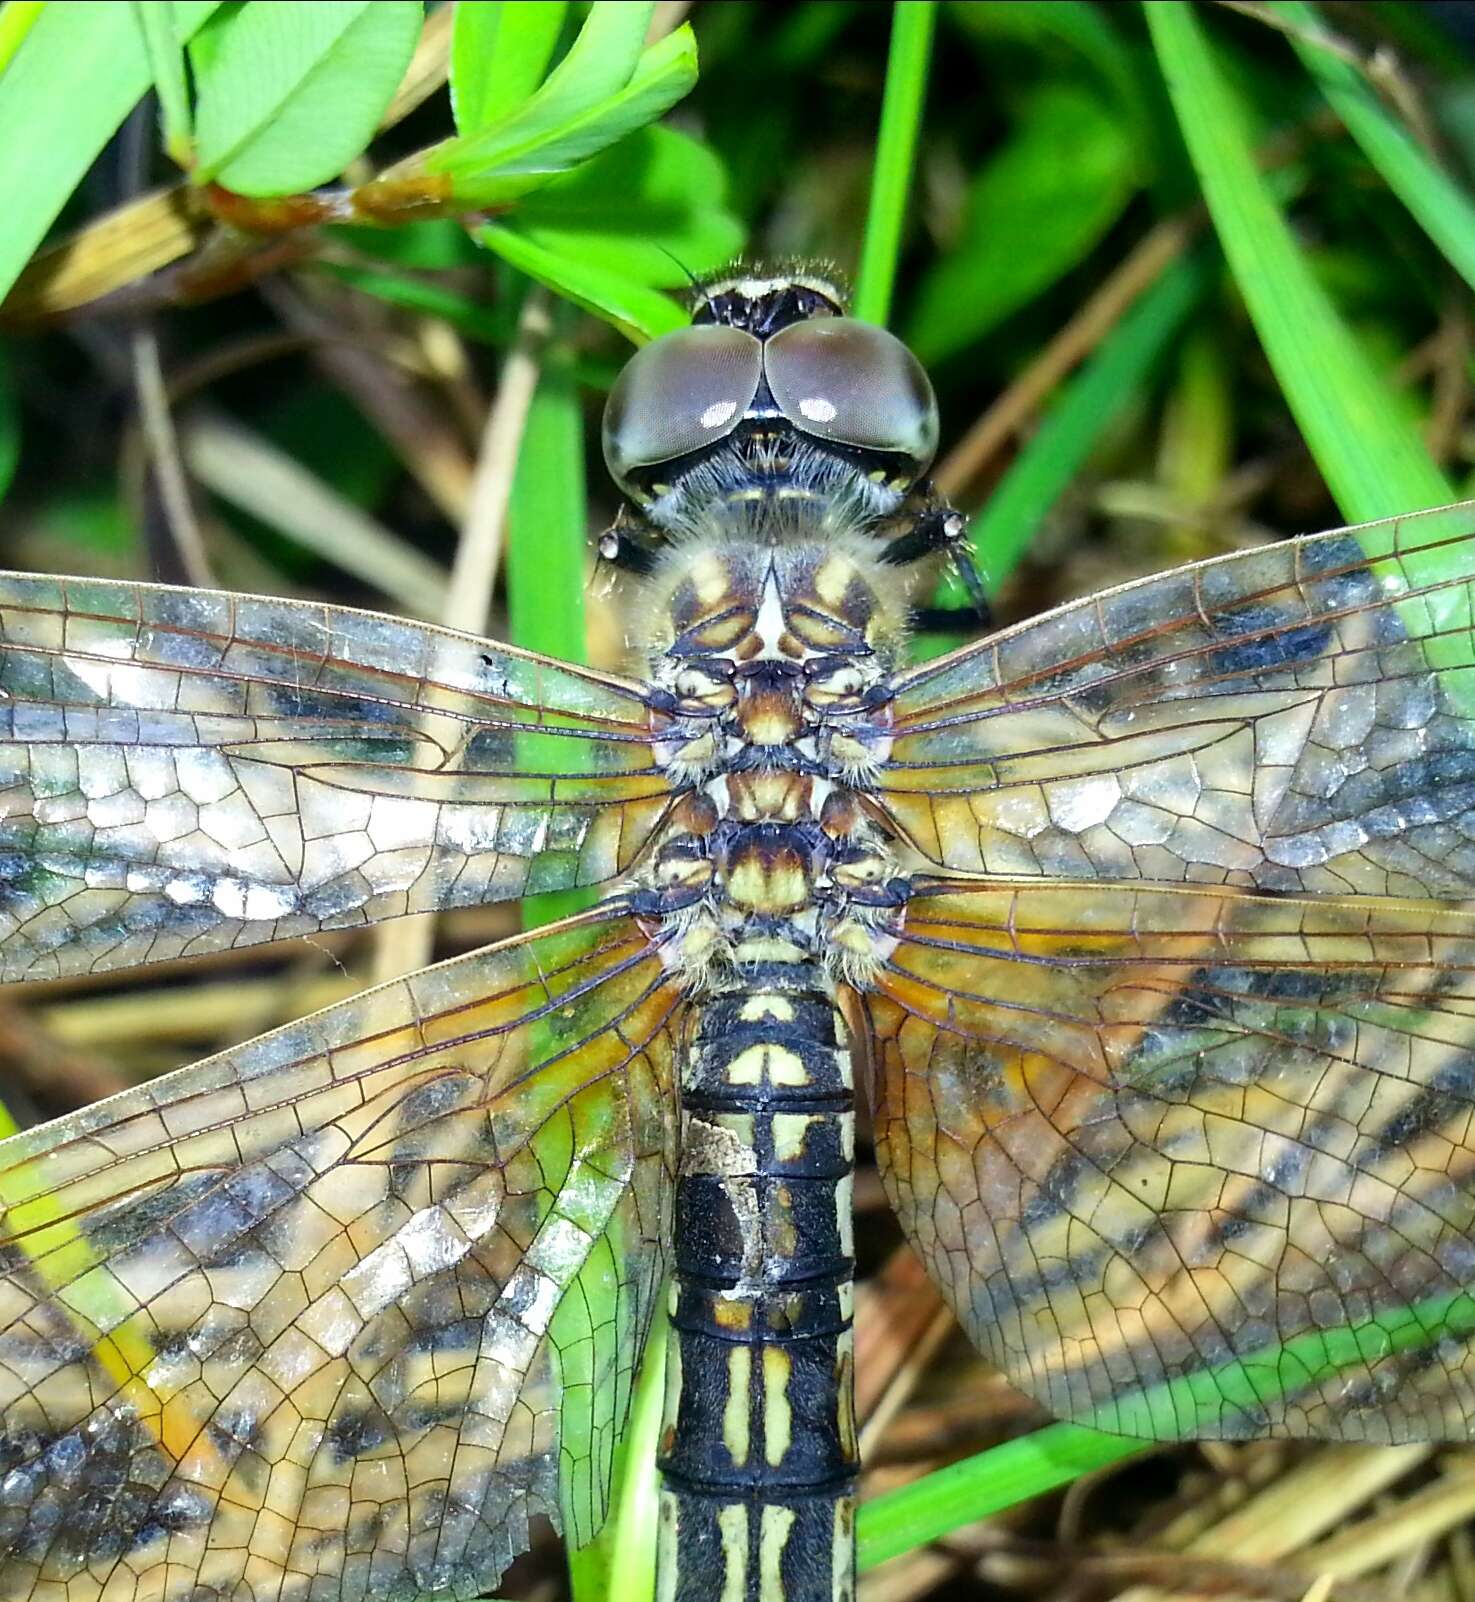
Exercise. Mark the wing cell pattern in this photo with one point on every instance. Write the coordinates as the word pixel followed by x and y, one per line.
pixel 183 771
pixel 1270 719
pixel 333 1314
pixel 1192 1163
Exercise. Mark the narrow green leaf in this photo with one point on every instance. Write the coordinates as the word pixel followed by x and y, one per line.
pixel 1440 206
pixel 1032 213
pixel 640 313
pixel 981 1485
pixel 619 1565
pixel 500 50
pixel 547 523
pixel 651 209
pixel 293 93
pixel 9 424
pixel 506 162
pixel 166 64
pixel 1087 407
pixel 87 56
pixel 896 147
pixel 1371 456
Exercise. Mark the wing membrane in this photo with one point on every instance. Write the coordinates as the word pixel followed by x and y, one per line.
pixel 186 770
pixel 1274 718
pixel 1192 1162
pixel 353 1300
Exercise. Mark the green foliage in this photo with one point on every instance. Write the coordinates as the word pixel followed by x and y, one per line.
pixel 77 73
pixel 1033 212
pixel 499 53
pixel 293 93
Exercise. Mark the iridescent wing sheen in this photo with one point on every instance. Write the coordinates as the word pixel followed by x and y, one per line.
pixel 1191 1162
pixel 182 770
pixel 334 1313
pixel 1271 718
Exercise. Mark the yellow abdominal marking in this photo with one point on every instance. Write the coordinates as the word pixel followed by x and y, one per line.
pixel 778 1416
pixel 732 1522
pixel 772 1539
pixel 735 1427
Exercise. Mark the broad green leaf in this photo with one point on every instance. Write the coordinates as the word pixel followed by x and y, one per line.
pixel 1370 454
pixel 640 313
pixel 500 50
pixel 166 63
pixel 294 92
pixel 600 62
pixel 1033 212
pixel 1439 205
pixel 650 209
pixel 509 160
pixel 87 56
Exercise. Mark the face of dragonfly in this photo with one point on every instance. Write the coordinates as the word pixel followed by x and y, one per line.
pixel 1149 919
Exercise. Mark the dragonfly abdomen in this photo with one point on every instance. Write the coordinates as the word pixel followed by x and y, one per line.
pixel 758 1447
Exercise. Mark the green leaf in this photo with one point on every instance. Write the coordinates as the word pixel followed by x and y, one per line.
pixel 1033 212
pixel 896 144
pixel 88 58
pixel 500 50
pixel 640 313
pixel 16 18
pixel 294 92
pixel 547 535
pixel 1110 381
pixel 9 424
pixel 651 209
pixel 166 64
pixel 900 1521
pixel 521 154
pixel 1368 451
pixel 1439 205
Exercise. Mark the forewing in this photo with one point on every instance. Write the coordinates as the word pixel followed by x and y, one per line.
pixel 1192 1163
pixel 1273 718
pixel 352 1301
pixel 186 770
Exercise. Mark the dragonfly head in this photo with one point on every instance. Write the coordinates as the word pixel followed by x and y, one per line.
pixel 771 384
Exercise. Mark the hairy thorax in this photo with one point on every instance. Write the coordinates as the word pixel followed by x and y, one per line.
pixel 770 661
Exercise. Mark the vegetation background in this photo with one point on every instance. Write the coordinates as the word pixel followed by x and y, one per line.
pixel 323 300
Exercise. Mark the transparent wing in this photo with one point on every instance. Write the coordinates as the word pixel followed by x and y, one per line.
pixel 185 770
pixel 1272 718
pixel 352 1301
pixel 1192 1163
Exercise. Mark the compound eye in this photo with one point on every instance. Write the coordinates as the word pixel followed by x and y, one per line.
pixel 677 394
pixel 846 381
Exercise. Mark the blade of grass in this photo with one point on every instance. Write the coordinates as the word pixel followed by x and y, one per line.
pixel 1369 453
pixel 16 20
pixel 1439 205
pixel 619 1564
pixel 1002 533
pixel 912 24
pixel 982 1485
pixel 548 528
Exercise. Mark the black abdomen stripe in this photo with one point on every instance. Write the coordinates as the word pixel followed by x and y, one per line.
pixel 758 1451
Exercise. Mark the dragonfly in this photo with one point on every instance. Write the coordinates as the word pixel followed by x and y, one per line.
pixel 1145 928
